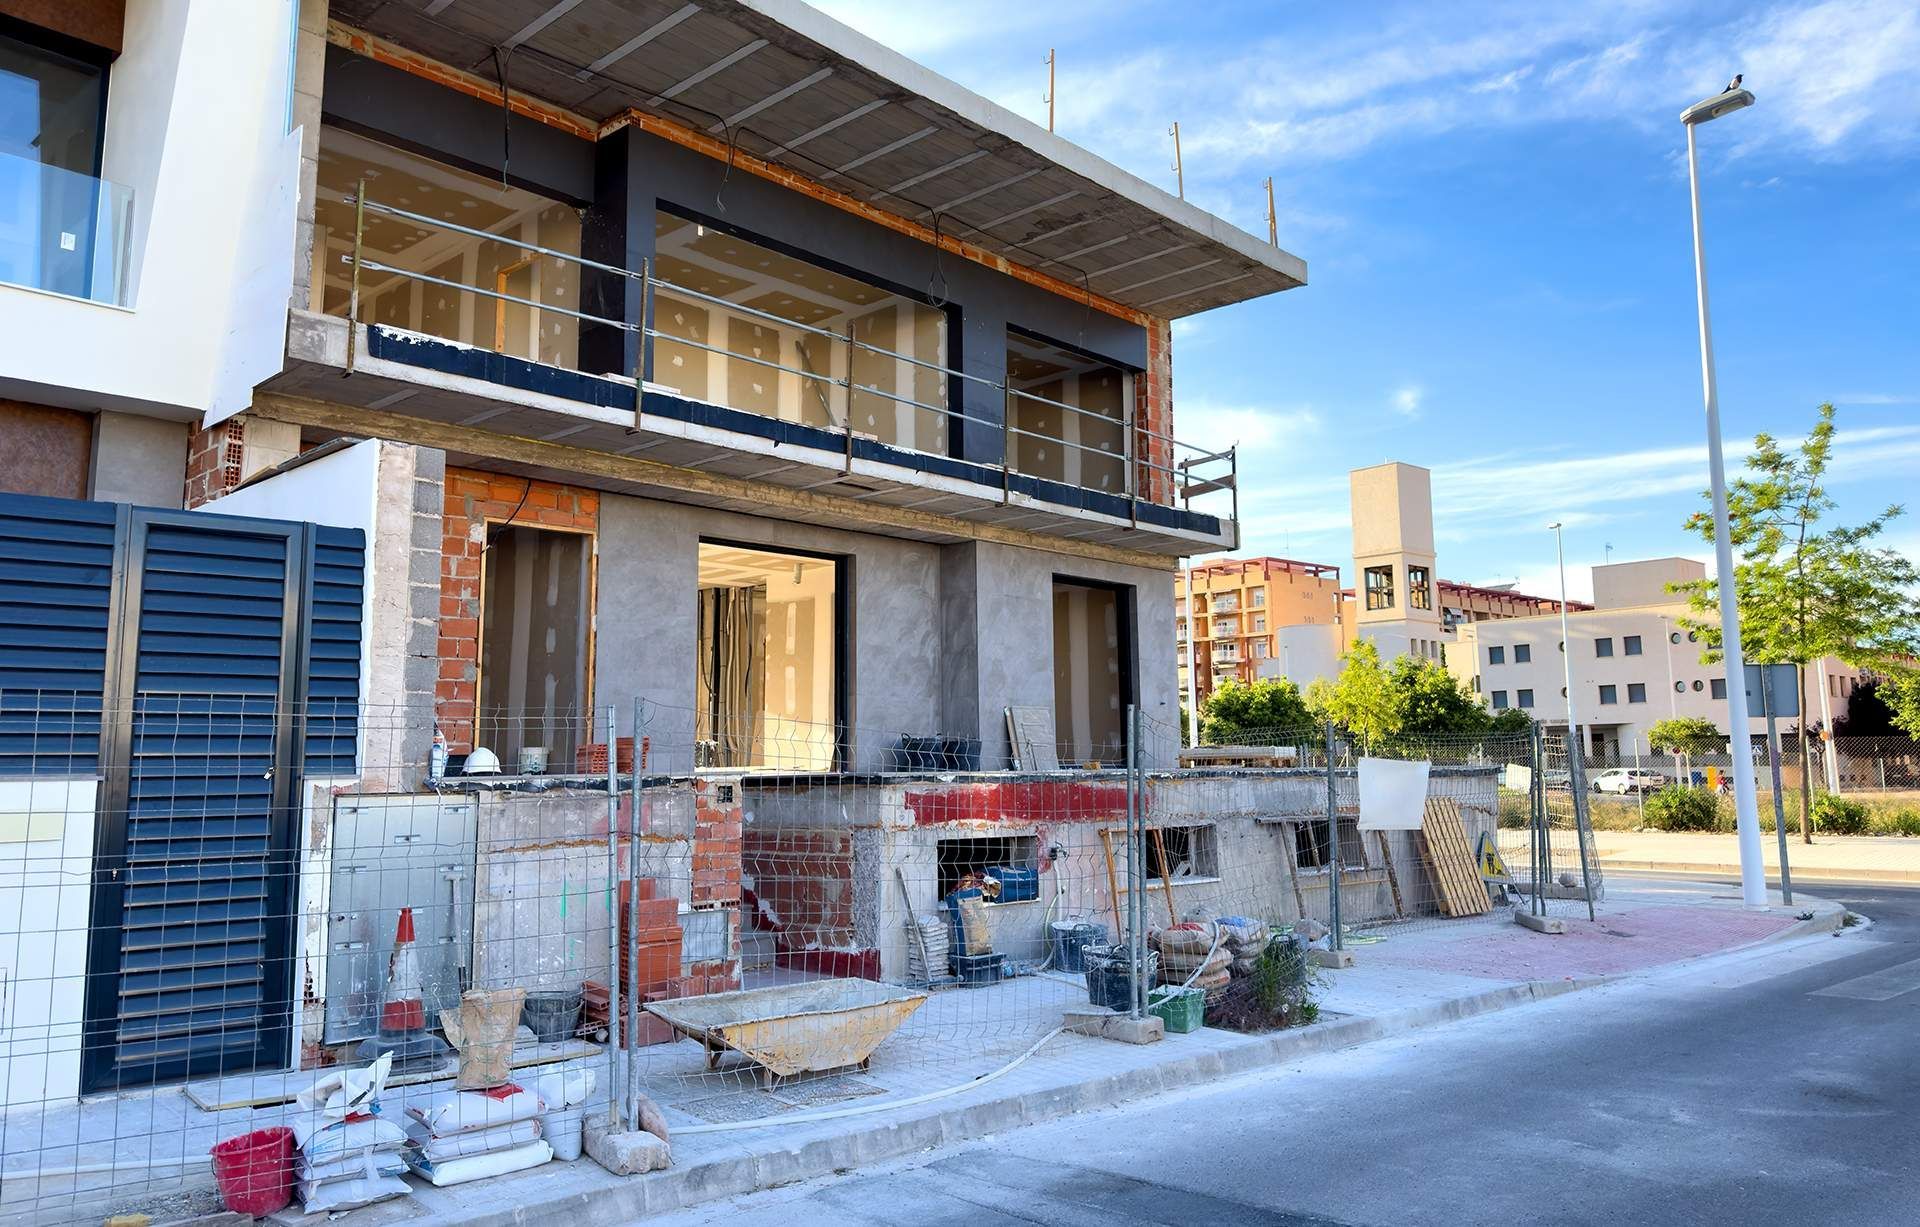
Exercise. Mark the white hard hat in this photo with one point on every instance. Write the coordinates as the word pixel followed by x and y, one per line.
pixel 482 761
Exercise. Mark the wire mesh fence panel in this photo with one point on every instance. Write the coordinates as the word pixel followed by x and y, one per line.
pixel 212 900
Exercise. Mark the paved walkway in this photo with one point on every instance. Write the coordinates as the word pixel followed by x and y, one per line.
pixel 1829 858
pixel 945 1076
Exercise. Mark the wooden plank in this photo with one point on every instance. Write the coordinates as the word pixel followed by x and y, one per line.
pixel 264 1090
pixel 1456 877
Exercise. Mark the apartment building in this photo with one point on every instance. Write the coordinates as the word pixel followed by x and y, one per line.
pixel 1633 662
pixel 709 355
pixel 1239 607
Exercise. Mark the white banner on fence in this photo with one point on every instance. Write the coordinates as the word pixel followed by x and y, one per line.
pixel 1516 778
pixel 1393 794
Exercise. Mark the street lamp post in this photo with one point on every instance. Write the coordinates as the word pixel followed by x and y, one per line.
pixel 1753 878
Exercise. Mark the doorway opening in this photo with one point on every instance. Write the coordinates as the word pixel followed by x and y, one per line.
pixel 768 669
pixel 1092 670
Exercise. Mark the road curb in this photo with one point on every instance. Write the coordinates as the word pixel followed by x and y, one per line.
pixel 1849 877
pixel 722 1175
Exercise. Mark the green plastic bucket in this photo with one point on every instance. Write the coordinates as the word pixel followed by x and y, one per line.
pixel 1180 1008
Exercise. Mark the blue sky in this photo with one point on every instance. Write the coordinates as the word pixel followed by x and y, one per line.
pixel 1492 201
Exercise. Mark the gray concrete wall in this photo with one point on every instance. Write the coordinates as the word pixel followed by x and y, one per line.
pixel 646 632
pixel 944 638
pixel 139 460
pixel 1015 666
pixel 402 632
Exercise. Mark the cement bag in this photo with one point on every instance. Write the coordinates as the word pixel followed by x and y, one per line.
pixel 337 1195
pixel 370 1165
pixel 1189 939
pixel 441 1174
pixel 971 910
pixel 1219 965
pixel 330 1142
pixel 484 1029
pixel 1214 985
pixel 474 1141
pixel 340 1093
pixel 450 1112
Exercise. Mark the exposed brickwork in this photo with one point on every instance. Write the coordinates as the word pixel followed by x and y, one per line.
pixel 214 457
pixel 803 886
pixel 1153 416
pixel 473 501
pixel 716 842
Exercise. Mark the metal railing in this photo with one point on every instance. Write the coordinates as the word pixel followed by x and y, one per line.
pixel 1155 467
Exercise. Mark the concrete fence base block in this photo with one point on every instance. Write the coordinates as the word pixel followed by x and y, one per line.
pixel 1539 924
pixel 1145 1030
pixel 625 1152
pixel 1330 958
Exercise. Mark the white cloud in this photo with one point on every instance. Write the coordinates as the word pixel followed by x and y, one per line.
pixel 1212 424
pixel 1406 400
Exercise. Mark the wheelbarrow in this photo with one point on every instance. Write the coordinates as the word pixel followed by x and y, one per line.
pixel 793 1028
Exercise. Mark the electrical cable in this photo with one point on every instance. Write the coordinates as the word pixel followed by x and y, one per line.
pixel 807 1118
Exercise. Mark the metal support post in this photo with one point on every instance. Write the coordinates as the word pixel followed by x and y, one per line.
pixel 1135 938
pixel 1779 802
pixel 1006 445
pixel 633 918
pixel 1542 842
pixel 353 291
pixel 847 426
pixel 643 344
pixel 1337 940
pixel 615 1100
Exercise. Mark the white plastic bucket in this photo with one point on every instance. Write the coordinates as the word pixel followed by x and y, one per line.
pixel 561 1128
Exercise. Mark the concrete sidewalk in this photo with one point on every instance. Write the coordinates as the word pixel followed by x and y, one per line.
pixel 1829 858
pixel 1413 976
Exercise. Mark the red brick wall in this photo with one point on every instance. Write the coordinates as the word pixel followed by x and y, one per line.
pixel 716 843
pixel 1153 416
pixel 806 879
pixel 473 500
pixel 214 455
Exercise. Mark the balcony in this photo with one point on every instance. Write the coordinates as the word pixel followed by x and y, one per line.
pixel 64 233
pixel 762 366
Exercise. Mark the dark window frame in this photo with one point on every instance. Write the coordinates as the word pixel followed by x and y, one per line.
pixel 1496 654
pixel 1609 695
pixel 1522 653
pixel 1419 588
pixel 1524 698
pixel 843 631
pixel 1603 646
pixel 1630 645
pixel 1378 596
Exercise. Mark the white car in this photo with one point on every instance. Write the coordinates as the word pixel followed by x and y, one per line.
pixel 1623 780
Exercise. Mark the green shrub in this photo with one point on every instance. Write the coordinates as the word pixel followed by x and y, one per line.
pixel 1902 821
pixel 1679 808
pixel 1839 815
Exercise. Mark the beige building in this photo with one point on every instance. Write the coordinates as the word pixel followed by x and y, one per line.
pixel 1634 662
pixel 1240 607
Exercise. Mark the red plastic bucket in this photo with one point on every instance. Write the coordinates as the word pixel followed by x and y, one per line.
pixel 255 1170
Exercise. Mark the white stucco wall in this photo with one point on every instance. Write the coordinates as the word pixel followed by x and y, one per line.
pixel 46 885
pixel 197 129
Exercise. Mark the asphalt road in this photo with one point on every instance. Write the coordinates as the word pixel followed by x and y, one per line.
pixel 1774 1086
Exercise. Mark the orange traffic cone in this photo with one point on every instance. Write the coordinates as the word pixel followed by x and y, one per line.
pixel 403 1006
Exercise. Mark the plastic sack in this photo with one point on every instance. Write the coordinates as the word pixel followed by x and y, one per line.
pixel 564 1087
pixel 475 1141
pixel 1189 938
pixel 328 1142
pixel 441 1174
pixel 339 1093
pixel 449 1112
pixel 338 1195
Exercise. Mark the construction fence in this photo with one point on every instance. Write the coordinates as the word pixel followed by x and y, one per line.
pixel 208 901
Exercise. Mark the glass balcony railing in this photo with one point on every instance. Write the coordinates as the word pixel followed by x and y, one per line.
pixel 63 232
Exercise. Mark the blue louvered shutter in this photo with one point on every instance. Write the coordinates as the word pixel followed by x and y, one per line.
pixel 56 595
pixel 204 939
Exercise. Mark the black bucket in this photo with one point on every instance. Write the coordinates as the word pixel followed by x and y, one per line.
pixel 1070 941
pixel 1108 981
pixel 551 1016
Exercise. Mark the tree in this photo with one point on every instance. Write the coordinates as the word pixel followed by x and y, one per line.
pixel 1434 703
pixel 1868 714
pixel 1684 735
pixel 1236 709
pixel 1903 694
pixel 1803 591
pixel 1363 700
pixel 1511 722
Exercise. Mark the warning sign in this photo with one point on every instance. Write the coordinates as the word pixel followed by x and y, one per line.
pixel 1493 866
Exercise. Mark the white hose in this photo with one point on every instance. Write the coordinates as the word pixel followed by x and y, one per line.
pixel 804 1118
